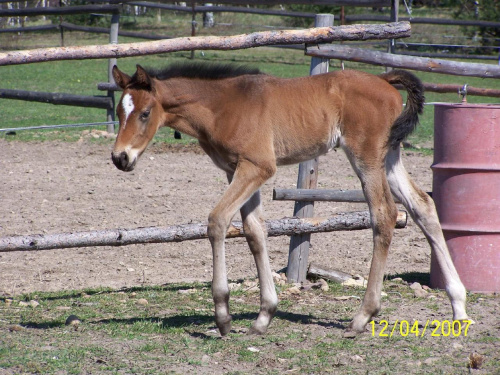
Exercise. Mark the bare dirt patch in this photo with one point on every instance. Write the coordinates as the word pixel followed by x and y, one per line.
pixel 67 187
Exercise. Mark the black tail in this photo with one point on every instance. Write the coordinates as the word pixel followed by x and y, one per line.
pixel 406 123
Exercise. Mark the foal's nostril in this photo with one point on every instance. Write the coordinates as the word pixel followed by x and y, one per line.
pixel 120 160
pixel 124 159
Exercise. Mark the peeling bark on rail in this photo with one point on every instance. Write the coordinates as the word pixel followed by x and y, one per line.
pixel 178 233
pixel 257 39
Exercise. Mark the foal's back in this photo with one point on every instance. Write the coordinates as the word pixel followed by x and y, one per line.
pixel 308 116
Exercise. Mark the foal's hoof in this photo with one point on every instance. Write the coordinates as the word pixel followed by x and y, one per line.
pixel 224 327
pixel 465 320
pixel 354 330
pixel 254 330
pixel 350 334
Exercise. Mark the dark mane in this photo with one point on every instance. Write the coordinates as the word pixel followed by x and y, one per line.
pixel 201 71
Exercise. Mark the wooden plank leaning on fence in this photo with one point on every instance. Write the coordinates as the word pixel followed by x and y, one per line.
pixel 404 62
pixel 257 39
pixel 177 233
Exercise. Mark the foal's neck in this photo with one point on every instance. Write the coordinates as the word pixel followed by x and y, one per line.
pixel 189 103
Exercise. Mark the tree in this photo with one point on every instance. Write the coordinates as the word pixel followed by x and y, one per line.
pixel 482 10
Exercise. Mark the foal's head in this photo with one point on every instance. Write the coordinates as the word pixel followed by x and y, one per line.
pixel 140 115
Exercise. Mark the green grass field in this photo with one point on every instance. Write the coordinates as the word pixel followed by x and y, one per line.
pixel 174 333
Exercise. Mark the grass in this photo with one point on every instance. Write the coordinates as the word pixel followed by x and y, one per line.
pixel 176 331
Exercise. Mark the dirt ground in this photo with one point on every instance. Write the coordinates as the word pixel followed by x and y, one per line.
pixel 68 187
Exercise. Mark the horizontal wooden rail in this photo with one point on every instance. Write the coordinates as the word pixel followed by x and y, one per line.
pixel 220 9
pixel 448 88
pixel 58 98
pixel 315 195
pixel 257 39
pixel 421 20
pixel 353 3
pixel 29 29
pixel 104 30
pixel 405 62
pixel 177 233
pixel 448 56
pixel 56 11
pixel 324 195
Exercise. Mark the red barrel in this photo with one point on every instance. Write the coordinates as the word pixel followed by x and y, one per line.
pixel 466 189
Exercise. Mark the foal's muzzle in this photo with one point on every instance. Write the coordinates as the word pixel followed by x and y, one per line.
pixel 122 161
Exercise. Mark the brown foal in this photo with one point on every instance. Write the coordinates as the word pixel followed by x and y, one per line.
pixel 250 123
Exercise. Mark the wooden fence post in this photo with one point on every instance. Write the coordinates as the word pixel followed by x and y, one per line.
pixel 61 29
pixel 113 39
pixel 394 18
pixel 193 25
pixel 307 179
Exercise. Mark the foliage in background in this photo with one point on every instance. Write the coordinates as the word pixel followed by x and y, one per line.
pixel 308 22
pixel 79 19
pixel 484 10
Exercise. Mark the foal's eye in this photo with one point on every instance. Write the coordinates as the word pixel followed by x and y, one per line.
pixel 144 115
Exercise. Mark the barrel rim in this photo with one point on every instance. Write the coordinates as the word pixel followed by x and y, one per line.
pixel 468 105
pixel 479 167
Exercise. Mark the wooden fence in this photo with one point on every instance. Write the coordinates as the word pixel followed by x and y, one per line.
pixel 298 228
pixel 197 9
pixel 317 35
pixel 344 52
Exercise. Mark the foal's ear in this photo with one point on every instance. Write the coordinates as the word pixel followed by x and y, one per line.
pixel 142 78
pixel 120 78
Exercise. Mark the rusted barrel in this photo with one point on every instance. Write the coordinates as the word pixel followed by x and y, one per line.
pixel 466 189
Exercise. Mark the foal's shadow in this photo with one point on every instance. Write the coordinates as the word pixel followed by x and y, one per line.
pixel 190 322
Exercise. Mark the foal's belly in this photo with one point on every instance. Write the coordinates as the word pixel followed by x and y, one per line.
pixel 296 149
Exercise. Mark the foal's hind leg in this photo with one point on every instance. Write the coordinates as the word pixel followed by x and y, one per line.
pixel 246 181
pixel 383 214
pixel 423 212
pixel 253 224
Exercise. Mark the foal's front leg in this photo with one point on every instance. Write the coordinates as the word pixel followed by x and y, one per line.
pixel 246 181
pixel 253 225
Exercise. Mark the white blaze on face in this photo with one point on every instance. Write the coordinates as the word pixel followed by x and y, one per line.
pixel 128 106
